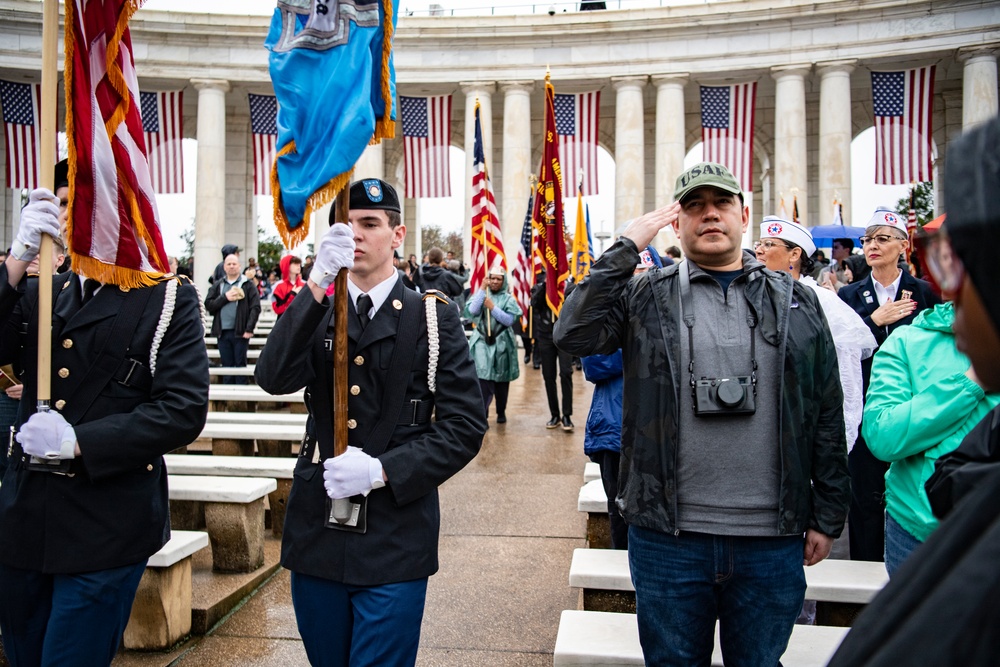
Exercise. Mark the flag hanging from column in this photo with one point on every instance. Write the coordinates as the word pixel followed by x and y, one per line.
pixel 548 212
pixel 332 71
pixel 582 247
pixel 727 118
pixel 113 229
pixel 904 146
pixel 577 119
pixel 487 239
pixel 426 145
pixel 264 129
pixel 21 102
pixel 522 278
pixel 163 127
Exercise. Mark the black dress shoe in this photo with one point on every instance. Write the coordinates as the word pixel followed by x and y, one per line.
pixel 501 419
pixel 527 358
pixel 536 366
pixel 554 423
pixel 567 423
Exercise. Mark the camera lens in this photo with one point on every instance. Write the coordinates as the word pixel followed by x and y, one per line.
pixel 729 393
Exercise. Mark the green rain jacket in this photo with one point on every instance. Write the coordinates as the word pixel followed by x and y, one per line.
pixel 496 361
pixel 920 405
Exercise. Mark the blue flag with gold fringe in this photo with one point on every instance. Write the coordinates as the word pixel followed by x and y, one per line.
pixel 332 72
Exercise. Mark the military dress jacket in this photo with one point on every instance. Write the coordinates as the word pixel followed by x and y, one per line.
pixel 611 309
pixel 401 542
pixel 113 510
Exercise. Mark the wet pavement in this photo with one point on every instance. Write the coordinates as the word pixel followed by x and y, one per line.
pixel 509 525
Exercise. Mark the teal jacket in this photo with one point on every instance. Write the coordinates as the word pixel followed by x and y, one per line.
pixel 496 355
pixel 920 405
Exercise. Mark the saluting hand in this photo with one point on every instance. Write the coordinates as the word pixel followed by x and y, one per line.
pixel 644 229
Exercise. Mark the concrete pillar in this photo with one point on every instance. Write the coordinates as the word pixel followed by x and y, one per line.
pixel 790 138
pixel 671 145
pixel 210 191
pixel 630 182
pixel 834 140
pixel 517 167
pixel 979 85
pixel 481 90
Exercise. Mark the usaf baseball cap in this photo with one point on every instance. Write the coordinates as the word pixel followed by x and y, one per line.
pixel 706 174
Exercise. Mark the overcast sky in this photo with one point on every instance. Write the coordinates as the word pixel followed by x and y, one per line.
pixel 177 211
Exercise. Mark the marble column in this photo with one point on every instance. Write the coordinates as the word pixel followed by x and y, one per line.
pixel 671 145
pixel 835 133
pixel 790 171
pixel 210 190
pixel 481 90
pixel 979 85
pixel 517 167
pixel 630 163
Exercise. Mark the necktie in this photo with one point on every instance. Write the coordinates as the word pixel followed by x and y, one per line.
pixel 364 305
pixel 89 287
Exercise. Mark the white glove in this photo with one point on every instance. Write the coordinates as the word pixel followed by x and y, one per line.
pixel 351 473
pixel 47 435
pixel 40 216
pixel 336 252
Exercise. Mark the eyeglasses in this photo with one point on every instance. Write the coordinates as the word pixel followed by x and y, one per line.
pixel 767 245
pixel 942 262
pixel 879 239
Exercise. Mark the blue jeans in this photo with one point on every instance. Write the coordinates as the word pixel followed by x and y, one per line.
pixel 357 626
pixel 753 586
pixel 233 353
pixel 899 544
pixel 65 620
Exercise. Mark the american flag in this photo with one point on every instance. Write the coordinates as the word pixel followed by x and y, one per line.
pixel 487 239
pixel 522 278
pixel 902 103
pixel 426 142
pixel 163 125
pixel 21 102
pixel 113 227
pixel 576 124
pixel 264 128
pixel 727 117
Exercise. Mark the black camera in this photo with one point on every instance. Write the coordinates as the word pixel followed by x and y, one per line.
pixel 725 396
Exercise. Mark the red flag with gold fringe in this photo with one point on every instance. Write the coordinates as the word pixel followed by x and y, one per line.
pixel 547 216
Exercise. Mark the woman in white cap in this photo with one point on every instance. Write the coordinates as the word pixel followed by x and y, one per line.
pixel 788 246
pixel 886 300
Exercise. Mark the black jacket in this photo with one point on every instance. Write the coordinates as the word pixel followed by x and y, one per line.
pixel 441 279
pixel 113 511
pixel 940 607
pixel 610 309
pixel 247 308
pixel 403 517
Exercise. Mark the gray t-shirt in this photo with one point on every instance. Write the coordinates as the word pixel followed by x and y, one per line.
pixel 228 311
pixel 728 467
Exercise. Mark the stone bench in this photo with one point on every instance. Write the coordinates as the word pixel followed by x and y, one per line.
pixel 233 515
pixel 591 471
pixel 237 439
pixel 216 373
pixel 256 341
pixel 594 502
pixel 213 354
pixel 605 638
pixel 276 418
pixel 161 612
pixel 839 587
pixel 278 469
pixel 249 398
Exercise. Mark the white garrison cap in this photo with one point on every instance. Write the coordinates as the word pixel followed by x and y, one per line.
pixel 886 217
pixel 778 228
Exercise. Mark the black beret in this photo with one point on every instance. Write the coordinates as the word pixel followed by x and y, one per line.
pixel 368 194
pixel 61 179
pixel 972 199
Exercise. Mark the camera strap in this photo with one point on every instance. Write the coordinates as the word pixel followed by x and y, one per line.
pixel 687 313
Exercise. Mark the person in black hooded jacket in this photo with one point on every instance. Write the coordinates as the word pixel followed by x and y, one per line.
pixel 940 607
pixel 220 272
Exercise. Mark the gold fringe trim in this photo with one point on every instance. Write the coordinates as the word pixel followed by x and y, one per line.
pixel 115 275
pixel 385 127
pixel 317 200
pixel 69 47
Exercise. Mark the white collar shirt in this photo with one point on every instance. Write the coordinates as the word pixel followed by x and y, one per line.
pixel 888 292
pixel 378 294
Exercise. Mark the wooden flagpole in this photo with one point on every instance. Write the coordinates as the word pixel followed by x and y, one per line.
pixel 341 506
pixel 46 179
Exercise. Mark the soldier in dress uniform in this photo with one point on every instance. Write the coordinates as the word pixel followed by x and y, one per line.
pixel 415 418
pixel 83 503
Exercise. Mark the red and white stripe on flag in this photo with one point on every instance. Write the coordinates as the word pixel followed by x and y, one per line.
pixel 902 103
pixel 426 142
pixel 163 127
pixel 727 121
pixel 484 212
pixel 113 227
pixel 21 102
pixel 577 118
pixel 264 129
